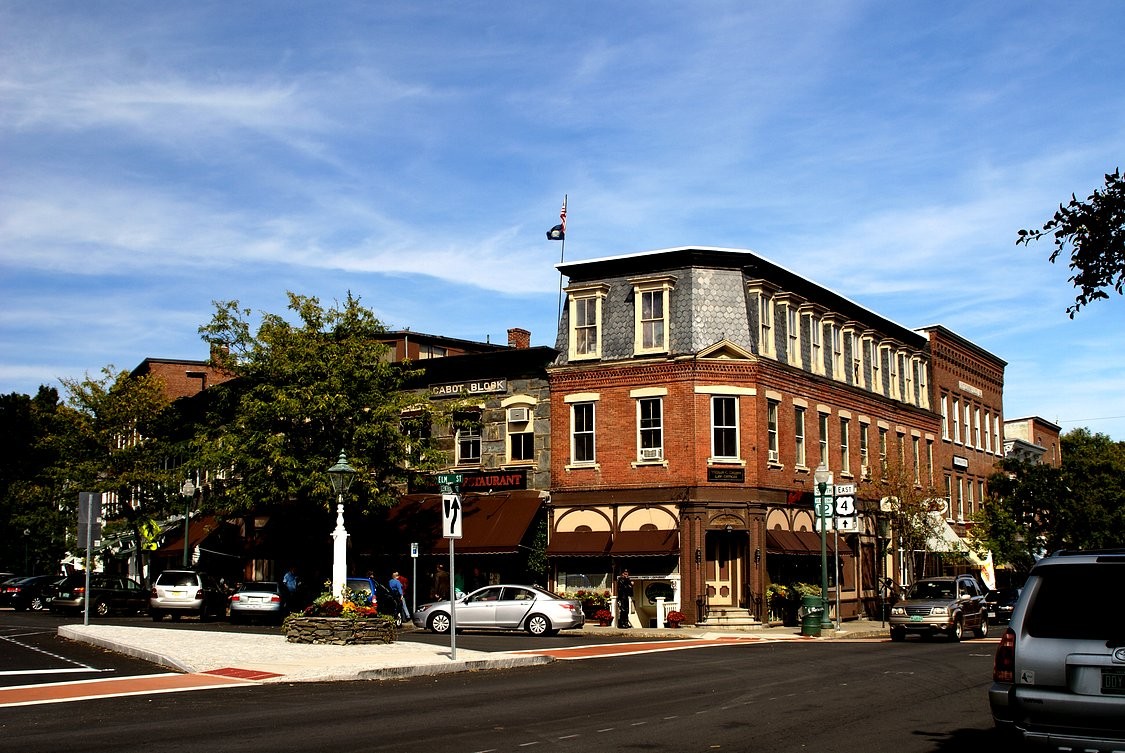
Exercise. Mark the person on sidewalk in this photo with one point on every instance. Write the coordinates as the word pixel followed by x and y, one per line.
pixel 624 593
pixel 400 596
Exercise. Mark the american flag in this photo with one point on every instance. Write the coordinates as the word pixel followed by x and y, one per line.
pixel 562 215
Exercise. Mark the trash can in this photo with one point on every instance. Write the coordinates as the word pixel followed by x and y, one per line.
pixel 813 608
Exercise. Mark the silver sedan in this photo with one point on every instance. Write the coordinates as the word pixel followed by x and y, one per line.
pixel 257 599
pixel 503 607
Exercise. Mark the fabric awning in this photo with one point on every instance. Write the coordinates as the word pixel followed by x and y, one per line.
pixel 198 530
pixel 579 544
pixel 491 523
pixel 802 542
pixel 645 543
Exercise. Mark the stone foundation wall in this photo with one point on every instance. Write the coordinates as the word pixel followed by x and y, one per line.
pixel 338 631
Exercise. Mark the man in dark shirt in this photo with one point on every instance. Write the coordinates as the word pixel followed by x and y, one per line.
pixel 624 593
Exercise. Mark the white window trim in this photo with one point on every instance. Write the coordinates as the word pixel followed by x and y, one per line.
pixel 637 398
pixel 662 284
pixel 724 459
pixel 577 293
pixel 572 400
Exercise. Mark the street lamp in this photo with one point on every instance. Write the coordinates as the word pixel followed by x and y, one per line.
pixel 823 478
pixel 341 476
pixel 188 490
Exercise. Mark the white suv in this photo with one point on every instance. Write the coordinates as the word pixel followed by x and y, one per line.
pixel 1059 673
pixel 180 592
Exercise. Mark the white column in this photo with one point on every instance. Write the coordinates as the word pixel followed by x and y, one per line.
pixel 660 613
pixel 339 554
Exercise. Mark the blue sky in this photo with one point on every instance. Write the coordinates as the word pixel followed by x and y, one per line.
pixel 155 157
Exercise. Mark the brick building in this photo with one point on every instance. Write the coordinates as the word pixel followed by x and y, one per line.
pixel 696 392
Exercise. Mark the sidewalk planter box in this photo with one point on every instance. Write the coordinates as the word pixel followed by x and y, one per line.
pixel 338 631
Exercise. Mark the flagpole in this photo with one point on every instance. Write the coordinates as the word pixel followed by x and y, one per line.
pixel 562 258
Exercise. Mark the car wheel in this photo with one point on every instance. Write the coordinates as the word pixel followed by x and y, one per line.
pixel 957 631
pixel 439 623
pixel 538 625
pixel 37 604
pixel 203 614
pixel 898 635
pixel 101 609
pixel 982 631
pixel 156 616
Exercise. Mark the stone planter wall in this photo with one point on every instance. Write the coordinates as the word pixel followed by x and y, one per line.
pixel 338 631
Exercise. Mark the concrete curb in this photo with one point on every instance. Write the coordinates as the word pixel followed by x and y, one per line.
pixel 472 665
pixel 71 633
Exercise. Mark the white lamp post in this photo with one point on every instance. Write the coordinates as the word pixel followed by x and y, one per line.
pixel 341 476
pixel 188 492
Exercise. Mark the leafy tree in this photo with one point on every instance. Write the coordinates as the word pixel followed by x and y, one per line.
pixel 33 505
pixel 1094 232
pixel 1034 508
pixel 303 391
pixel 112 441
pixel 912 512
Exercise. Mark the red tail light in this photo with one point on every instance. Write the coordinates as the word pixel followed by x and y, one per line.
pixel 153 594
pixel 80 591
pixel 199 594
pixel 275 599
pixel 1004 666
pixel 234 597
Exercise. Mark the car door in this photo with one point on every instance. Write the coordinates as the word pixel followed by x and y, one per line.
pixel 479 608
pixel 514 605
pixel 972 602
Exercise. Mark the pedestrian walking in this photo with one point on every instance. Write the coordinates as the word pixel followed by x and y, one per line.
pixel 624 593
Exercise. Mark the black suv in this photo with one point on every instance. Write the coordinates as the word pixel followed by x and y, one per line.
pixel 108 593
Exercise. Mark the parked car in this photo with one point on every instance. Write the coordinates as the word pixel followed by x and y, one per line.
pixel 108 593
pixel 260 600
pixel 944 605
pixel 34 592
pixel 999 603
pixel 6 586
pixel 504 607
pixel 185 592
pixel 1059 674
pixel 377 595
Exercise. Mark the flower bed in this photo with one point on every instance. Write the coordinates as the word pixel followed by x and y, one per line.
pixel 338 631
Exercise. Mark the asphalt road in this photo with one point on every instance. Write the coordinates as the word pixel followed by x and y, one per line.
pixel 867 696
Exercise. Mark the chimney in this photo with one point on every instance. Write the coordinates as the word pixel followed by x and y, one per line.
pixel 519 338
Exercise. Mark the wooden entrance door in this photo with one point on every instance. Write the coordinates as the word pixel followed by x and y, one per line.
pixel 724 567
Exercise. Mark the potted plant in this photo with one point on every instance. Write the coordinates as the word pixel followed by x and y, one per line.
pixel 604 617
pixel 675 618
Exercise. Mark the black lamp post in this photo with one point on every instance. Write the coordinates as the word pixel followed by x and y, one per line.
pixel 823 479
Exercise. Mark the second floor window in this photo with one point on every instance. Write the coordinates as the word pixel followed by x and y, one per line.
pixel 582 433
pixel 468 439
pixel 724 427
pixel 650 427
pixel 864 458
pixel 845 452
pixel 799 436
pixel 771 428
pixel 824 440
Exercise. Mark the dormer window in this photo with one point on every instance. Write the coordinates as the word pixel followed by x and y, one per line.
pixel 650 296
pixel 586 302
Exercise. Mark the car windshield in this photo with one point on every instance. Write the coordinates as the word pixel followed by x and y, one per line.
pixel 928 589
pixel 1063 595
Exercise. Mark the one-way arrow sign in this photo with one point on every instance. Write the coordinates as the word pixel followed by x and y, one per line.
pixel 451 516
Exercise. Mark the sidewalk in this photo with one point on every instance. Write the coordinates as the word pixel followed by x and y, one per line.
pixel 270 658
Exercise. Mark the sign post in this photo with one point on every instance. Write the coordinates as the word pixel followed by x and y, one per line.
pixel 90 533
pixel 414 579
pixel 451 520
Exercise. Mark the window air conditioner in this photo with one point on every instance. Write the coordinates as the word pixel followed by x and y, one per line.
pixel 518 415
pixel 773 456
pixel 651 453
